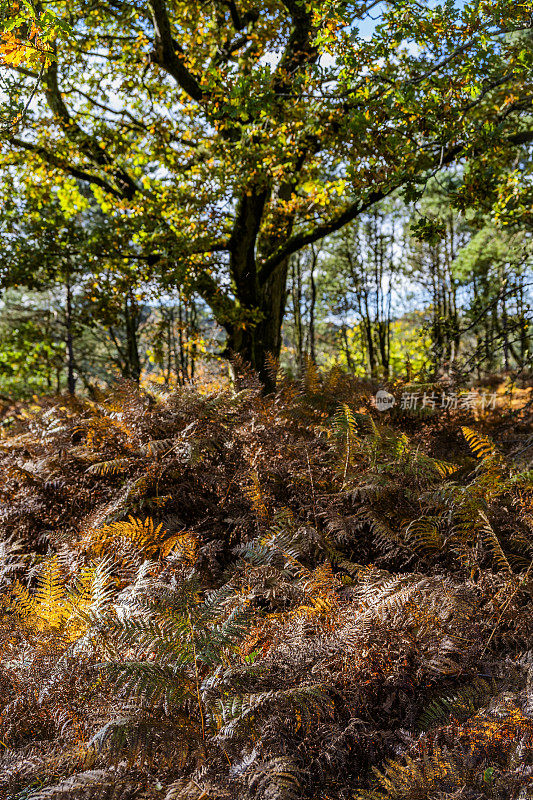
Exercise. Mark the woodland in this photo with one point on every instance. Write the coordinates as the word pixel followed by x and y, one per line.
pixel 266 400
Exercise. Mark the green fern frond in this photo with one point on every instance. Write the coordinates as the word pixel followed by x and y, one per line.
pixel 277 778
pixel 154 683
pixel 345 429
pixel 462 704
pixel 145 737
pixel 425 533
pixel 344 422
pixel 306 704
pixel 491 541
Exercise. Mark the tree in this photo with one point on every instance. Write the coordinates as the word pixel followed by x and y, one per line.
pixel 227 137
pixel 63 254
pixel 55 252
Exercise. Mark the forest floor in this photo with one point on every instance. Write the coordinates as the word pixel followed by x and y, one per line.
pixel 230 596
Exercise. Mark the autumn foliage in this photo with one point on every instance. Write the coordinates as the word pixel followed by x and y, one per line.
pixel 225 595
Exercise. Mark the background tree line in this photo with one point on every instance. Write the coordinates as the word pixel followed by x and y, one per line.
pixel 402 290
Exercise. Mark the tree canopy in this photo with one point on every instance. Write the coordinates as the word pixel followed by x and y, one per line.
pixel 220 138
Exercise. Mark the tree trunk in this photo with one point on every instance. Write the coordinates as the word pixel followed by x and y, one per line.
pixel 297 310
pixel 312 308
pixel 132 349
pixel 258 343
pixel 71 378
pixel 348 355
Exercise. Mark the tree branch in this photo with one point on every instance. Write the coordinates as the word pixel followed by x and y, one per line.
pixel 299 240
pixel 165 54
pixel 221 304
pixel 59 163
pixel 87 144
pixel 302 239
pixel 299 50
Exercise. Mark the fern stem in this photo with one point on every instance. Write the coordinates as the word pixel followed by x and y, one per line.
pixel 196 675
pixel 347 457
pixel 312 487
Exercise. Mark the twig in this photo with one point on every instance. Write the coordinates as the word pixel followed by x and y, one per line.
pixel 506 606
pixel 33 92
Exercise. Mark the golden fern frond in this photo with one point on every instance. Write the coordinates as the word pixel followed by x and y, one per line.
pixel 257 498
pixel 333 379
pixel 272 367
pixel 311 378
pixel 410 778
pixel 479 444
pixel 100 427
pixel 19 600
pixel 320 587
pixel 111 467
pixel 183 544
pixel 144 535
pixel 321 582
pixel 445 468
pixel 50 595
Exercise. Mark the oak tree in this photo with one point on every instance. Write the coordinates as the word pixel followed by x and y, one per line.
pixel 226 135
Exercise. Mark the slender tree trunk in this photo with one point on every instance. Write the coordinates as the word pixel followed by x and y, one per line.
pixel 344 334
pixel 132 348
pixel 476 329
pixel 297 310
pixel 372 361
pixel 193 331
pixel 71 377
pixel 523 321
pixel 312 308
pixel 170 333
pixel 182 325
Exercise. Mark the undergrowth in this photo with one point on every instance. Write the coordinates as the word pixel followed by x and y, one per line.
pixel 232 596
